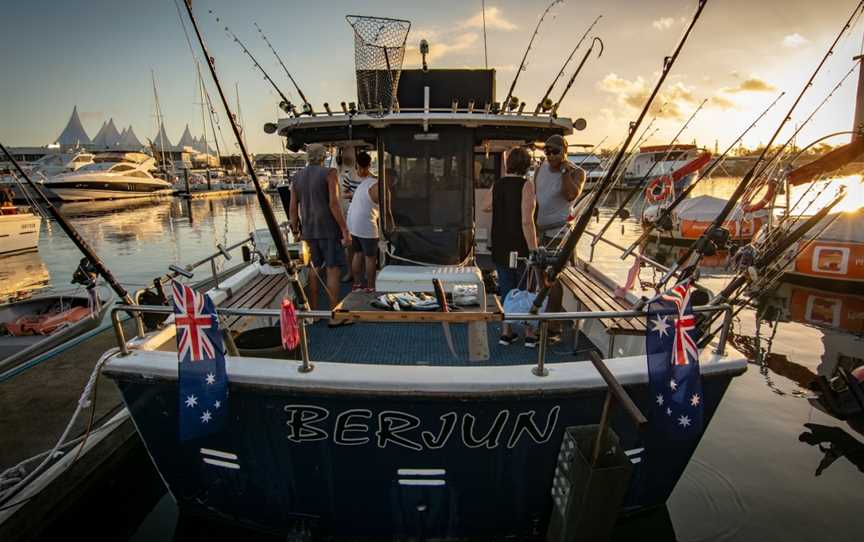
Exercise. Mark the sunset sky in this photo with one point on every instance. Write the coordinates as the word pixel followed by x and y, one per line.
pixel 98 55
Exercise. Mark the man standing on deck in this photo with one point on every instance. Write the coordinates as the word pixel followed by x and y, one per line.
pixel 345 162
pixel 316 214
pixel 557 184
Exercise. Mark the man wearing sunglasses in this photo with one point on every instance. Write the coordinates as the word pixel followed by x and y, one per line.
pixel 557 184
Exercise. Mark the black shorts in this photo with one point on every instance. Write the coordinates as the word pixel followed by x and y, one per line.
pixel 326 252
pixel 369 247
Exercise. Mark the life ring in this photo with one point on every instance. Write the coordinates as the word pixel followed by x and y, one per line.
pixel 664 183
pixel 749 207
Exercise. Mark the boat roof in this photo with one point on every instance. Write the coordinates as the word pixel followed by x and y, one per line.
pixel 338 127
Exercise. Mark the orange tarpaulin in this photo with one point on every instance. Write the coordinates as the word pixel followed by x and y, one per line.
pixel 835 159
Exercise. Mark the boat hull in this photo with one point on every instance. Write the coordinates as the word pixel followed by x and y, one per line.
pixel 90 194
pixel 335 461
pixel 19 233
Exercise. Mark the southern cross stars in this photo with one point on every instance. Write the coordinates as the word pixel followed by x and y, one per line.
pixel 660 325
pixel 210 378
pixel 684 421
pixel 694 401
pixel 673 385
pixel 191 401
pixel 660 399
pixel 206 417
pixel 217 404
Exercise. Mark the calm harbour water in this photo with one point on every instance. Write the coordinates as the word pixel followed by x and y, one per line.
pixel 752 478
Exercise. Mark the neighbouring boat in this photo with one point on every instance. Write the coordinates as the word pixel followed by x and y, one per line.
pixel 19 230
pixel 387 433
pixel 693 216
pixel 108 180
pixel 834 258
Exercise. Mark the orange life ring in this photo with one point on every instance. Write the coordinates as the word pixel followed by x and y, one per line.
pixel 652 195
pixel 749 207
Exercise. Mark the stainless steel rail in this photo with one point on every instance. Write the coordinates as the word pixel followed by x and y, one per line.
pixel 303 316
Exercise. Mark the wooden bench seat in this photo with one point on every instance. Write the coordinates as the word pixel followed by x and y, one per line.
pixel 259 293
pixel 596 296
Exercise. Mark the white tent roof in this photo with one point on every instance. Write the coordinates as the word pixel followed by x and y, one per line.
pixel 186 140
pixel 74 132
pixel 108 135
pixel 161 139
pixel 128 140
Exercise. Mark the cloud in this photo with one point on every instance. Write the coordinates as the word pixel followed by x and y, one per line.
pixel 664 23
pixel 753 84
pixel 494 21
pixel 721 102
pixel 794 40
pixel 439 49
pixel 633 94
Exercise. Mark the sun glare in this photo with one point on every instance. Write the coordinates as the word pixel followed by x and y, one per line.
pixel 824 192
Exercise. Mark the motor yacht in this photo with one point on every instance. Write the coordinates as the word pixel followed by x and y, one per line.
pixel 108 180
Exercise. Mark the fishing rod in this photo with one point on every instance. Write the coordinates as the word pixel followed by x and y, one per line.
pixel 576 73
pixel 73 234
pixel 266 208
pixel 286 103
pixel 591 152
pixel 556 264
pixel 648 227
pixel 714 233
pixel 638 188
pixel 772 254
pixel 622 170
pixel 307 107
pixel 508 101
pixel 546 105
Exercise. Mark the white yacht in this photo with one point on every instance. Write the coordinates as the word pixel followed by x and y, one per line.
pixel 19 230
pixel 108 180
pixel 55 164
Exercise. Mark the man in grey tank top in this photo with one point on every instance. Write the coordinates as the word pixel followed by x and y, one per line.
pixel 316 214
pixel 557 184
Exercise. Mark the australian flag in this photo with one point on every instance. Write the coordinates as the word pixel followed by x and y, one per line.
pixel 673 364
pixel 203 383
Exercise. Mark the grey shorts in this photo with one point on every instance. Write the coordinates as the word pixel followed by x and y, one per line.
pixel 326 252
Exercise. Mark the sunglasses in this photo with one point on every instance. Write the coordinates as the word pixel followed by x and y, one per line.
pixel 551 151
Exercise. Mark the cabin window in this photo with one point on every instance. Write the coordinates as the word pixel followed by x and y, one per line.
pixel 121 167
pixel 430 183
pixel 486 170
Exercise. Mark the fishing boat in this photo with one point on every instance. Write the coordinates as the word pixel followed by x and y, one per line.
pixel 109 180
pixel 381 430
pixel 19 229
pixel 693 216
pixel 658 161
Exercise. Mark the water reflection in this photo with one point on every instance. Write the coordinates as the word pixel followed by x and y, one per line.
pixel 21 276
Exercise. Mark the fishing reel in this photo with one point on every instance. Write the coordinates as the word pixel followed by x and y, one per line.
pixel 513 104
pixel 85 274
pixel 287 107
pixel 718 239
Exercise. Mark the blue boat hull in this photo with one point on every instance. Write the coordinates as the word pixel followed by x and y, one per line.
pixel 362 464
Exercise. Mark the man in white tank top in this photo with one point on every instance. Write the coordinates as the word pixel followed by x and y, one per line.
pixel 363 224
pixel 557 184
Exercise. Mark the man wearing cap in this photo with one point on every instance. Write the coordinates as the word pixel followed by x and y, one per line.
pixel 315 213
pixel 557 185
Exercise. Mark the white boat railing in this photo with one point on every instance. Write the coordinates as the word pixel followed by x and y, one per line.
pixel 543 319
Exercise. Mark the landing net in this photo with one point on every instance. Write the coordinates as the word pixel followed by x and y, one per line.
pixel 379 49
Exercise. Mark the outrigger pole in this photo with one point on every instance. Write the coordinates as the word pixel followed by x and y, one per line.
pixel 73 234
pixel 506 103
pixel 557 264
pixel 576 73
pixel 548 105
pixel 638 188
pixel 714 231
pixel 307 107
pixel 286 103
pixel 647 228
pixel 266 208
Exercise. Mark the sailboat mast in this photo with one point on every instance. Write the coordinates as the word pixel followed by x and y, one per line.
pixel 240 122
pixel 203 120
pixel 160 133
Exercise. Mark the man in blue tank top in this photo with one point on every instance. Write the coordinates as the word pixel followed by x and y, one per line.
pixel 316 215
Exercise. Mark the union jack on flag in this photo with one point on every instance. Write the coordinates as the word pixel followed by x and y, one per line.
pixel 201 375
pixel 673 363
pixel 192 323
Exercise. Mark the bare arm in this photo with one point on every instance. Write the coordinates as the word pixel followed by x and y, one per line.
pixel 293 215
pixel 486 204
pixel 529 201
pixel 572 180
pixel 335 208
pixel 373 193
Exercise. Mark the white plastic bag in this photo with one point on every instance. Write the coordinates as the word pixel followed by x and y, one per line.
pixel 521 301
